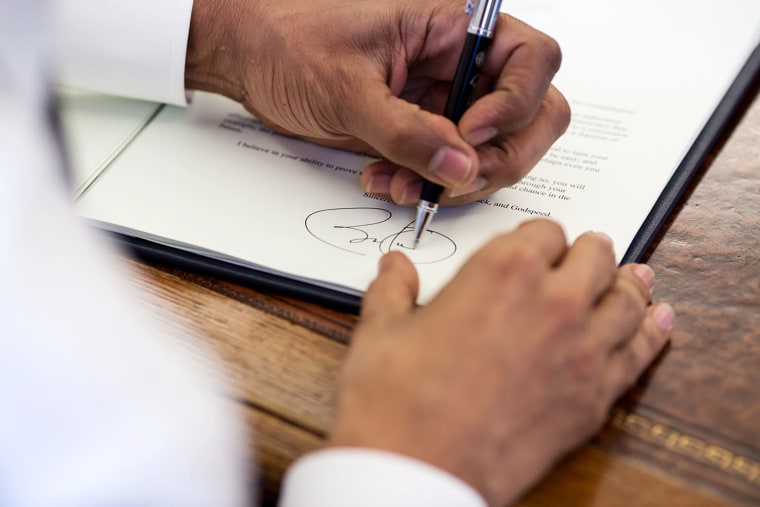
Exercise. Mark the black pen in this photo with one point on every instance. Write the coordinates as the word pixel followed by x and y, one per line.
pixel 479 35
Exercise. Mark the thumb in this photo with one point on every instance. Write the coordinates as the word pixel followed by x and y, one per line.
pixel 429 144
pixel 393 293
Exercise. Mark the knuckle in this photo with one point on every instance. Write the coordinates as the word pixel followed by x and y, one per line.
pixel 547 228
pixel 583 364
pixel 631 299
pixel 519 105
pixel 507 260
pixel 552 52
pixel 644 289
pixel 561 110
pixel 399 135
pixel 567 305
pixel 654 337
pixel 521 256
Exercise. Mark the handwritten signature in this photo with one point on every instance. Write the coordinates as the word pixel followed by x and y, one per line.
pixel 363 231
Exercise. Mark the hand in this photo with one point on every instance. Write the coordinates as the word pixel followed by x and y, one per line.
pixel 368 76
pixel 516 362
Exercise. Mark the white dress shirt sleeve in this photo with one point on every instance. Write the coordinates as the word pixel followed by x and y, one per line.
pixel 131 48
pixel 100 408
pixel 353 477
pixel 101 404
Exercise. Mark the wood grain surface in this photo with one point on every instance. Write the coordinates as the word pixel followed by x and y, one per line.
pixel 687 435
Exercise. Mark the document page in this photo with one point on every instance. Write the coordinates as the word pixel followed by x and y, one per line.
pixel 96 128
pixel 642 80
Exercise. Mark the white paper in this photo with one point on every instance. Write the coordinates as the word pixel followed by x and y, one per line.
pixel 642 80
pixel 96 128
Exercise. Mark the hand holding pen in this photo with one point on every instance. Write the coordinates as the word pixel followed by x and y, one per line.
pixel 379 84
pixel 479 36
pixel 464 154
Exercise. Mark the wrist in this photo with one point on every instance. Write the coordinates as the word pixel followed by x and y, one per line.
pixel 213 53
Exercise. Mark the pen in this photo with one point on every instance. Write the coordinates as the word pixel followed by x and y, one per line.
pixel 479 35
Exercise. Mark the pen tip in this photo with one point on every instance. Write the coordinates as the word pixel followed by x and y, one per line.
pixel 425 212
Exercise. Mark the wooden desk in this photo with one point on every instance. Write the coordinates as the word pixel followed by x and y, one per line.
pixel 687 435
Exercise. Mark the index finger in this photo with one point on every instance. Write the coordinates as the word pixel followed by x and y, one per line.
pixel 509 264
pixel 540 238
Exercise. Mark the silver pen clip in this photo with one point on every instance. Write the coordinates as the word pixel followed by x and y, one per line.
pixel 470 7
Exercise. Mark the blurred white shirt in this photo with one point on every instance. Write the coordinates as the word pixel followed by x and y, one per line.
pixel 101 407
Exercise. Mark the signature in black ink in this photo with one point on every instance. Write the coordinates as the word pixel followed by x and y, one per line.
pixel 363 231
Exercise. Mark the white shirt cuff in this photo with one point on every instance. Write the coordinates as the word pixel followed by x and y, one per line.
pixel 130 48
pixel 353 477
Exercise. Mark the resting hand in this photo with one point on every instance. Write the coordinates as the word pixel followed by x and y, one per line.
pixel 367 76
pixel 513 364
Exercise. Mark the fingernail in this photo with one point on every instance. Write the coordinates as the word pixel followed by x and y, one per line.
pixel 379 184
pixel 481 136
pixel 664 316
pixel 646 275
pixel 450 165
pixel 477 185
